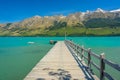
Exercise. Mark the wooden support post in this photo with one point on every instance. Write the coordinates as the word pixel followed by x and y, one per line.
pixel 102 66
pixel 89 58
pixel 77 50
pixel 71 45
pixel 82 53
pixel 74 46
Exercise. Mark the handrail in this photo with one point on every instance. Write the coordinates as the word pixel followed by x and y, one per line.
pixel 81 51
pixel 115 66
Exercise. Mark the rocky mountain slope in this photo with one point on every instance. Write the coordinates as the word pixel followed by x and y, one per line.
pixel 39 25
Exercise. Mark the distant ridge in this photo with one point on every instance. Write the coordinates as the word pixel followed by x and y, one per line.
pixel 102 17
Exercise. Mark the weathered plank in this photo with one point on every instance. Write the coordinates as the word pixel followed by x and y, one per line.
pixel 58 64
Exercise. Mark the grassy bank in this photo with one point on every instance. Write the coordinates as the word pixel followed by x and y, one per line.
pixel 70 31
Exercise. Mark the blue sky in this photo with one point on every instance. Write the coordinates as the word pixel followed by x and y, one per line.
pixel 16 10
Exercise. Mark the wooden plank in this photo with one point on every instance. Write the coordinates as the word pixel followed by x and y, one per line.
pixel 58 64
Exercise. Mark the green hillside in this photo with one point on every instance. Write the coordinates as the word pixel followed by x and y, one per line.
pixel 49 27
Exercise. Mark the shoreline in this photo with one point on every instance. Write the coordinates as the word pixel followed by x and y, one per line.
pixel 67 36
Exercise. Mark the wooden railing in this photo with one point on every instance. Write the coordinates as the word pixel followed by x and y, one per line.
pixel 80 52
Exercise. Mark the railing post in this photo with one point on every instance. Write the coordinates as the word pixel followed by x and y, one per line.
pixel 72 45
pixel 77 50
pixel 89 58
pixel 102 66
pixel 82 53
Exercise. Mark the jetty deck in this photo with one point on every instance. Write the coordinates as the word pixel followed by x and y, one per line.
pixel 58 64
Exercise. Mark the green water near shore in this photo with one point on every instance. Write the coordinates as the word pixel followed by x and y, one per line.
pixel 17 57
pixel 110 46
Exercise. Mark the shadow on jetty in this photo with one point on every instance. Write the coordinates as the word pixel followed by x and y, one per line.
pixel 61 74
pixel 40 79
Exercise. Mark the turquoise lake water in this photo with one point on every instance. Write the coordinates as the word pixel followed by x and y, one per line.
pixel 17 57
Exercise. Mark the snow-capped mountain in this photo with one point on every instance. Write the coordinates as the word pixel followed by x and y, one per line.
pixel 100 10
pixel 72 19
pixel 117 10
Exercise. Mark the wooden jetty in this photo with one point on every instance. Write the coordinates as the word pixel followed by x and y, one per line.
pixel 58 63
pixel 65 61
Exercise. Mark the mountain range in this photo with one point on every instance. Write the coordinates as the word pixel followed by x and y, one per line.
pixel 79 24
